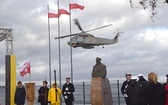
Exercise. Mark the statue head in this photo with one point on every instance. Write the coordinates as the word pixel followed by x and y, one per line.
pixel 98 60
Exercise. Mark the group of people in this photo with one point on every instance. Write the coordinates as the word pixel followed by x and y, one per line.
pixel 138 91
pixel 47 95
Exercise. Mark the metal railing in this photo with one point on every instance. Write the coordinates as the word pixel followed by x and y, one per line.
pixel 82 93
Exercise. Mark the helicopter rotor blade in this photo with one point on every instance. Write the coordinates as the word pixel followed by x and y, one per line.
pixel 77 23
pixel 99 27
pixel 65 36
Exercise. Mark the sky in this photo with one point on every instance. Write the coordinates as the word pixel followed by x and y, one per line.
pixel 142 47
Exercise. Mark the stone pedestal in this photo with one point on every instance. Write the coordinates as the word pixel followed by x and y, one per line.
pixel 100 93
pixel 30 93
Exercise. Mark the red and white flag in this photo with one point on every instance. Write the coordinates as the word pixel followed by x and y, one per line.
pixel 63 10
pixel 53 14
pixel 25 68
pixel 74 5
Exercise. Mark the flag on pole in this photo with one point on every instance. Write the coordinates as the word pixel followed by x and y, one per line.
pixel 54 12
pixel 63 10
pixel 74 5
pixel 25 68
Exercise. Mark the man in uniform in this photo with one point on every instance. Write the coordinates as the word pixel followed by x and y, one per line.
pixel 99 70
pixel 43 94
pixel 124 87
pixel 67 92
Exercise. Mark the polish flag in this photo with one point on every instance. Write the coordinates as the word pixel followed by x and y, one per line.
pixel 53 14
pixel 63 10
pixel 74 5
pixel 25 68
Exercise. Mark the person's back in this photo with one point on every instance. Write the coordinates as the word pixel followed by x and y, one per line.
pixel 134 93
pixel 143 82
pixel 155 93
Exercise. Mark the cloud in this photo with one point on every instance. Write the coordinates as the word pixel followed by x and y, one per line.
pixel 141 49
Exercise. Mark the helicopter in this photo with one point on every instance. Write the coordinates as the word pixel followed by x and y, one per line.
pixel 86 40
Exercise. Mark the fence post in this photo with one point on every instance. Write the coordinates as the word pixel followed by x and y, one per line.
pixel 118 91
pixel 83 93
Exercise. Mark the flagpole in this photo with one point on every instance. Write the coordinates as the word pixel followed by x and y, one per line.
pixel 49 48
pixel 59 48
pixel 70 31
pixel 30 70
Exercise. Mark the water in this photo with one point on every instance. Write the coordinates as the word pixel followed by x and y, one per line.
pixel 80 94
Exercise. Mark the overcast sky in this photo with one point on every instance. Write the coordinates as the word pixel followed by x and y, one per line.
pixel 141 49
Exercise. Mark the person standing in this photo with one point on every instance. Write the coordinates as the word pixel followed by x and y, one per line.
pixel 20 94
pixel 67 92
pixel 166 87
pixel 134 92
pixel 54 95
pixel 155 93
pixel 143 82
pixel 43 94
pixel 124 87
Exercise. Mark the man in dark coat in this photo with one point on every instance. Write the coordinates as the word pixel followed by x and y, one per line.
pixel 143 82
pixel 67 92
pixel 20 94
pixel 124 87
pixel 134 92
pixel 43 94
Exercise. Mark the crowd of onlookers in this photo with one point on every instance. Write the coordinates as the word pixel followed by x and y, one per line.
pixel 139 91
pixel 46 95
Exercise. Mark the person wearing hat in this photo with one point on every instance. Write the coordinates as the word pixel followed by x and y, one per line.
pixel 134 92
pixel 54 95
pixel 143 82
pixel 67 92
pixel 166 87
pixel 20 94
pixel 124 86
pixel 43 94
pixel 99 70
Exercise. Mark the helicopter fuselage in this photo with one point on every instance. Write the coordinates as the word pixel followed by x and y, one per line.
pixel 89 41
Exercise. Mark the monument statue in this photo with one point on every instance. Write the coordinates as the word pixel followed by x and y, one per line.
pixel 99 70
pixel 100 93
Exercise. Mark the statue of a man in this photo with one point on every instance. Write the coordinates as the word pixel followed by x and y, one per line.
pixel 99 70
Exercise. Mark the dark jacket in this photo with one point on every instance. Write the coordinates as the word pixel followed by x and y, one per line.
pixel 143 82
pixel 166 88
pixel 134 92
pixel 124 86
pixel 43 95
pixel 155 94
pixel 67 91
pixel 20 95
pixel 123 90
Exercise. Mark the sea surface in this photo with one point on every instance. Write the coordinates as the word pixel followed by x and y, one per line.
pixel 81 94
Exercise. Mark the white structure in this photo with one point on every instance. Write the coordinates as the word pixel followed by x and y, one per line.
pixel 6 33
